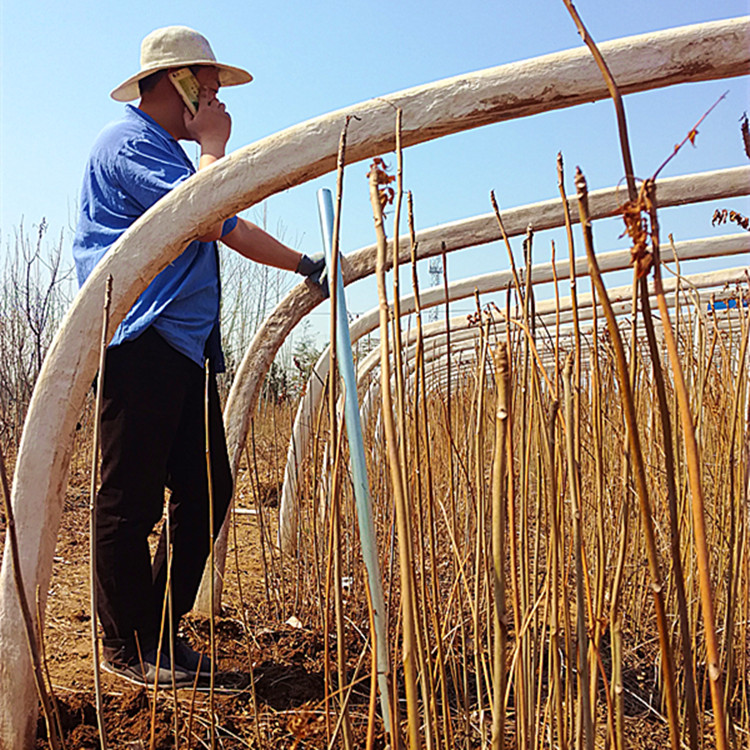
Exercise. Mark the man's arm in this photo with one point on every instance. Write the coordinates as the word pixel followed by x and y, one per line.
pixel 254 243
pixel 210 127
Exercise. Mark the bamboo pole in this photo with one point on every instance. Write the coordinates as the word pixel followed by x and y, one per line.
pixel 431 520
pixel 92 513
pixel 499 484
pixel 376 177
pixel 696 488
pixel 584 720
pixel 626 396
pixel 211 613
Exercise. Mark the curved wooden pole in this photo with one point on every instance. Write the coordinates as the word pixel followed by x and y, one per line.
pixel 702 52
pixel 545 313
pixel 255 365
pixel 464 338
pixel 464 334
pixel 510 91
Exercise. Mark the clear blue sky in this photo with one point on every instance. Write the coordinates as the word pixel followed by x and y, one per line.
pixel 61 59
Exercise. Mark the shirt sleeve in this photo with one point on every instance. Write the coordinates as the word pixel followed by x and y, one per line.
pixel 148 171
pixel 229 225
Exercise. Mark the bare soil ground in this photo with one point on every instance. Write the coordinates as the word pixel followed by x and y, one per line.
pixel 276 668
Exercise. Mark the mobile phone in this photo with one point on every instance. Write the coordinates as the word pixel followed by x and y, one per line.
pixel 187 87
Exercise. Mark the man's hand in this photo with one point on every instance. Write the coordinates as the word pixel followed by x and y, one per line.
pixel 311 267
pixel 314 269
pixel 211 125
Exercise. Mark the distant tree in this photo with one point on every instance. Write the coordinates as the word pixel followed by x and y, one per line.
pixel 305 354
pixel 276 384
pixel 250 291
pixel 36 289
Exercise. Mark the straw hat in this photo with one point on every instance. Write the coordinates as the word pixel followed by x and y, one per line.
pixel 176 47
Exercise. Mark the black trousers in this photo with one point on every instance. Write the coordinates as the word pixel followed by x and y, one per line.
pixel 152 438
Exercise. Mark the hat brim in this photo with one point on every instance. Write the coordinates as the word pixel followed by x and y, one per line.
pixel 128 90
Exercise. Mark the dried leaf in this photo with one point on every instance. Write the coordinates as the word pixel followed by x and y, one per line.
pixel 634 214
pixel 722 215
pixel 386 194
pixel 740 220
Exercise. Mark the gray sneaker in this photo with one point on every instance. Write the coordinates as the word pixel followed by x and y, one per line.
pixel 190 660
pixel 149 673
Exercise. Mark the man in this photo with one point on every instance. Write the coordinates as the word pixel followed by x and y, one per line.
pixel 152 429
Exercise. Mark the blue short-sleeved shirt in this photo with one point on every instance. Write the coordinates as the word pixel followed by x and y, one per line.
pixel 134 163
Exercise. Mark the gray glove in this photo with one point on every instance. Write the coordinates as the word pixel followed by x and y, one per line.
pixel 314 269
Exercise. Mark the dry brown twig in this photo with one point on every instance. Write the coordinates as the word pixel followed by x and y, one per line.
pixel 691 136
pixel 92 510
pixel 638 213
pixel 31 639
pixel 379 193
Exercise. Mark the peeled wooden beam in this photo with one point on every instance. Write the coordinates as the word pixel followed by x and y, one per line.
pixel 435 337
pixel 603 203
pixel 615 260
pixel 464 338
pixel 555 81
pixel 702 52
pixel 437 365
